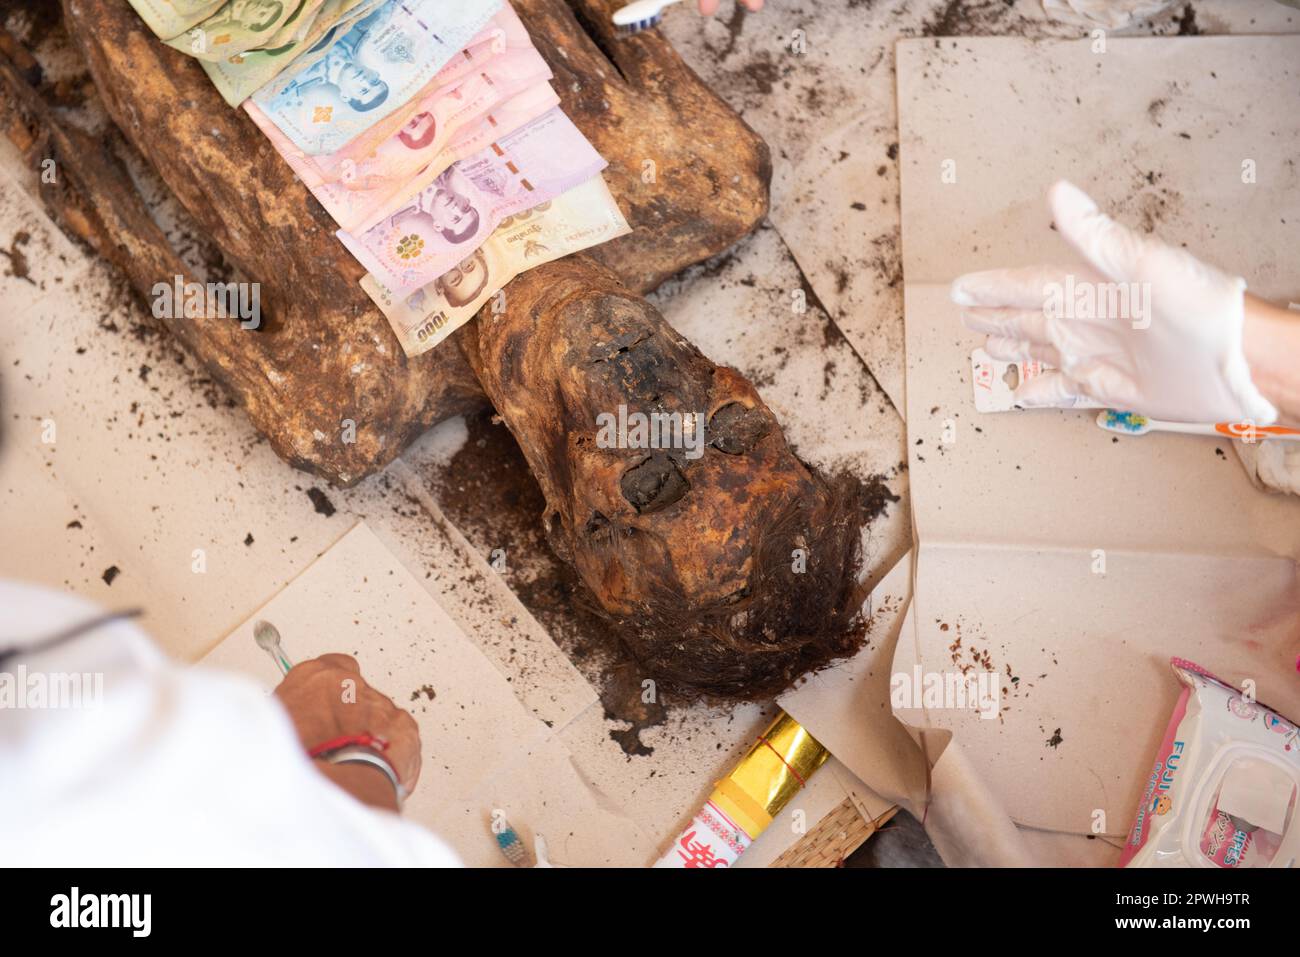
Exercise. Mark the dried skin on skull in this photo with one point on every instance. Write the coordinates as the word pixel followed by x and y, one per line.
pixel 693 556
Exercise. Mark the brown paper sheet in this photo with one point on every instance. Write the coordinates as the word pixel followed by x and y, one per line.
pixel 1070 564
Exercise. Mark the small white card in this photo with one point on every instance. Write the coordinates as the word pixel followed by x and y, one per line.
pixel 995 382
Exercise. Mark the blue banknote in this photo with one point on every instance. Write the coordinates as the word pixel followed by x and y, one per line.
pixel 351 80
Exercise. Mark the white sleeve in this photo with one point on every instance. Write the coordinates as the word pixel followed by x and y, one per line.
pixel 161 765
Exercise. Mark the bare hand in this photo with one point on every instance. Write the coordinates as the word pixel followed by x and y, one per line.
pixel 327 698
pixel 710 7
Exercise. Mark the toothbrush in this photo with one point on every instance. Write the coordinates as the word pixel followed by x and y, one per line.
pixel 268 639
pixel 1130 423
pixel 640 15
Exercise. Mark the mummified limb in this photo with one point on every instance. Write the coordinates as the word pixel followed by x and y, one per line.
pixel 690 175
pixel 85 190
pixel 325 356
pixel 323 377
pixel 730 572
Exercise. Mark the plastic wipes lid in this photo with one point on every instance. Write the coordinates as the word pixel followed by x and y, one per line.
pixel 1257 793
pixel 1223 789
pixel 1245 822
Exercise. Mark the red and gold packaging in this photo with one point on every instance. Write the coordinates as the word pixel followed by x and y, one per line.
pixel 744 803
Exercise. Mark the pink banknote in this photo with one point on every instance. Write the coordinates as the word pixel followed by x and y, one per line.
pixel 504 33
pixel 509 116
pixel 438 226
pixel 356 183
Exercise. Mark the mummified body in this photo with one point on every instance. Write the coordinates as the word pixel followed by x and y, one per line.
pixel 730 573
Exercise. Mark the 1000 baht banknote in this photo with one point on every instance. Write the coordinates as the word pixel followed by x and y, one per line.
pixel 437 227
pixel 585 216
pixel 370 71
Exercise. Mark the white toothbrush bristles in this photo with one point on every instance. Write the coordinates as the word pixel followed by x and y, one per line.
pixel 640 16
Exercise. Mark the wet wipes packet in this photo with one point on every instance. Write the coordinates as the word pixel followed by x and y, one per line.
pixel 1223 789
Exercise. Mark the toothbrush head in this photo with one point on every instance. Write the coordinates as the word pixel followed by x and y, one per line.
pixel 1126 423
pixel 511 847
pixel 640 15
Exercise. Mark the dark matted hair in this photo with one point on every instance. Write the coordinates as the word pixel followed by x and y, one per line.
pixel 783 624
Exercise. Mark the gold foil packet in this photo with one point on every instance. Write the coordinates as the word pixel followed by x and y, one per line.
pixel 746 801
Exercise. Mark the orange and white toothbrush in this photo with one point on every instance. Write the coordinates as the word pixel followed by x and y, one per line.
pixel 1130 423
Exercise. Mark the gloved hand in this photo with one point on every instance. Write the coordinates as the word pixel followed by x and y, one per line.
pixel 1111 14
pixel 1171 348
pixel 1273 465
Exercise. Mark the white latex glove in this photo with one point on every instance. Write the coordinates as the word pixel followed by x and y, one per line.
pixel 1274 465
pixel 1175 354
pixel 1111 14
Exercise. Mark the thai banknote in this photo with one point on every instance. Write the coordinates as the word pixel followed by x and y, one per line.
pixel 503 33
pixel 240 25
pixel 296 27
pixel 169 18
pixel 370 71
pixel 585 216
pixel 438 226
pixel 503 44
pixel 510 115
pixel 355 184
pixel 239 76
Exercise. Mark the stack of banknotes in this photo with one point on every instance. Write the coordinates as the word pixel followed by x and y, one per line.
pixel 427 128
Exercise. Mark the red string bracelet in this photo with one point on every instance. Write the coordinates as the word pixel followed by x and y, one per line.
pixel 365 740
